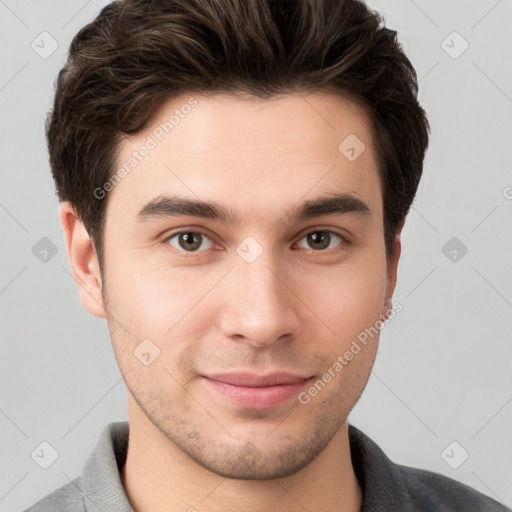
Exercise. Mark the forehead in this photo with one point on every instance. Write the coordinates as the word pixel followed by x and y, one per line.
pixel 249 152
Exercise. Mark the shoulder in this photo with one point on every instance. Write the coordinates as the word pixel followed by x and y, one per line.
pixel 67 498
pixel 99 487
pixel 433 491
pixel 391 487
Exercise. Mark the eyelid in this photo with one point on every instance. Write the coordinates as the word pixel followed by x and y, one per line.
pixel 345 240
pixel 187 229
pixel 343 234
pixel 344 237
pixel 180 231
pixel 302 234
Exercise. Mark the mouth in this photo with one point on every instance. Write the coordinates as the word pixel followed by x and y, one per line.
pixel 254 391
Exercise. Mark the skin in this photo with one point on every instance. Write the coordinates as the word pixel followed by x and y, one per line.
pixel 295 308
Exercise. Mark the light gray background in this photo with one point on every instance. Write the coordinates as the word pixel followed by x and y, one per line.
pixel 444 367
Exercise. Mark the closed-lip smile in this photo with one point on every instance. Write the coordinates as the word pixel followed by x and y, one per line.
pixel 257 391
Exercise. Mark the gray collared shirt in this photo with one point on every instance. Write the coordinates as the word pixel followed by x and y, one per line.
pixel 386 486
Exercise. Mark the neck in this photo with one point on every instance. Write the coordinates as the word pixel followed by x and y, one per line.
pixel 159 477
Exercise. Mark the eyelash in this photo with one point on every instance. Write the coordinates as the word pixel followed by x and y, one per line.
pixel 343 240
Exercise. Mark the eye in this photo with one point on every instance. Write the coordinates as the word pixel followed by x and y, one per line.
pixel 189 241
pixel 321 239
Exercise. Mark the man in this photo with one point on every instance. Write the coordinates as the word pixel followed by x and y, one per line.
pixel 234 179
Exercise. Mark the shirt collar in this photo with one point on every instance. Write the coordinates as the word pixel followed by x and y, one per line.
pixel 382 484
pixel 101 481
pixel 103 490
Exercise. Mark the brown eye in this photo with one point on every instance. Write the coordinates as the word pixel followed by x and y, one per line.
pixel 320 240
pixel 189 241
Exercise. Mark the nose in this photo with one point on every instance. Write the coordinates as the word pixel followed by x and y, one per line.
pixel 259 305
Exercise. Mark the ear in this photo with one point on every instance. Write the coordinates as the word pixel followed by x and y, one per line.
pixel 392 269
pixel 83 261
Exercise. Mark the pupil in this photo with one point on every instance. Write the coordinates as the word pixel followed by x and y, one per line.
pixel 190 239
pixel 320 237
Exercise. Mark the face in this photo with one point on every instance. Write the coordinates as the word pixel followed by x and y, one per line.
pixel 226 317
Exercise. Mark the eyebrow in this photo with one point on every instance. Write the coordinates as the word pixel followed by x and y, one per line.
pixel 175 206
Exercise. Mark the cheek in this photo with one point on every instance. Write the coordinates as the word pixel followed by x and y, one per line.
pixel 157 300
pixel 167 306
pixel 347 299
pixel 350 306
pixel 146 314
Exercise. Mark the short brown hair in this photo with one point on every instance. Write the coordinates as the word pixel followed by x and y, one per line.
pixel 137 54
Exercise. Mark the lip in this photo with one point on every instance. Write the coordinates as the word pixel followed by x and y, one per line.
pixel 256 391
